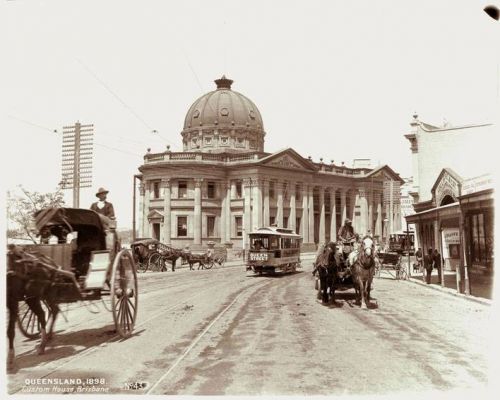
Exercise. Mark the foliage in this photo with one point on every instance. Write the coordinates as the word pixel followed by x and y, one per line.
pixel 20 208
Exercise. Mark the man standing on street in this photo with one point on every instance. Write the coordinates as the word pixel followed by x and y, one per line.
pixel 428 263
pixel 437 264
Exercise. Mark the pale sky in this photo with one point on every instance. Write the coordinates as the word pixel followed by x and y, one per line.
pixel 332 79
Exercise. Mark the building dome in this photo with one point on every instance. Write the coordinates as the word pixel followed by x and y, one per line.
pixel 223 121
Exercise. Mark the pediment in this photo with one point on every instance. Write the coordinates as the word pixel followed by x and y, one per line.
pixel 288 159
pixel 448 183
pixel 155 214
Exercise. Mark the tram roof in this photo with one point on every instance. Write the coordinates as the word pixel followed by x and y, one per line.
pixel 273 230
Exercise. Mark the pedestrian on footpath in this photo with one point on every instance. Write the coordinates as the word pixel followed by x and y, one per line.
pixel 428 264
pixel 437 264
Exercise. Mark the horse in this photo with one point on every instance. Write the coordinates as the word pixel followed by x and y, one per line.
pixel 325 264
pixel 171 255
pixel 362 264
pixel 31 283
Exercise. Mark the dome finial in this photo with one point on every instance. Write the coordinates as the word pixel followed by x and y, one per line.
pixel 223 83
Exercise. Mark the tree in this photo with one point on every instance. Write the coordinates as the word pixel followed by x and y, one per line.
pixel 21 208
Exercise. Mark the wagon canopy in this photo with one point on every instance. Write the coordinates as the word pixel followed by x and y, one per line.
pixel 78 218
pixel 144 242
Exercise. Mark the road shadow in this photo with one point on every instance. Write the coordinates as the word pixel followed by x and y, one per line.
pixel 275 275
pixel 65 345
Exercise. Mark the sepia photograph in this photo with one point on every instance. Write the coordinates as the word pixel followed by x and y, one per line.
pixel 264 198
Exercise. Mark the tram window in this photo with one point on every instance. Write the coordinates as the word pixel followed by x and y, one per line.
pixel 260 243
pixel 274 243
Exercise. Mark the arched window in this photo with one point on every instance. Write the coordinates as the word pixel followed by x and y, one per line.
pixel 447 200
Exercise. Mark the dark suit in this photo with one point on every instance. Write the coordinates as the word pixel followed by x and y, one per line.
pixel 428 261
pixel 437 264
pixel 107 210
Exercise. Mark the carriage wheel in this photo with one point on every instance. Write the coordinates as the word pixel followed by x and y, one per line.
pixel 155 262
pixel 27 321
pixel 142 266
pixel 124 293
pixel 209 264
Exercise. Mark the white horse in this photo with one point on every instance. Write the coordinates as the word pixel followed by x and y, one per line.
pixel 362 262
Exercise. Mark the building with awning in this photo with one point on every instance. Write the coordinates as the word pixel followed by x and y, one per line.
pixel 454 215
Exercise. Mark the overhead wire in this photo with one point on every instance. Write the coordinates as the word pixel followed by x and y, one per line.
pixel 151 130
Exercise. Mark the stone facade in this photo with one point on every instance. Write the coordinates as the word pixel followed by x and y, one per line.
pixel 197 196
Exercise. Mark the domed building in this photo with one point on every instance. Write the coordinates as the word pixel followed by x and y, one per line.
pixel 224 184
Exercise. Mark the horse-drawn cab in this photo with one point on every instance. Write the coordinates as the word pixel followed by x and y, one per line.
pixel 273 249
pixel 79 241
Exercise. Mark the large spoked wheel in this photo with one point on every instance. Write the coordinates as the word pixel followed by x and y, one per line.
pixel 155 262
pixel 142 266
pixel 124 293
pixel 209 263
pixel 28 322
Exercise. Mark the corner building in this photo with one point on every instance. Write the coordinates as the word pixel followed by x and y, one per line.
pixel 224 185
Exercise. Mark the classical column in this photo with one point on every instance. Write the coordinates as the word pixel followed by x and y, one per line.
pixel 333 215
pixel 279 204
pixel 311 214
pixel 233 189
pixel 256 203
pixel 363 208
pixel 391 206
pixel 145 221
pixel 266 219
pixel 228 212
pixel 197 211
pixel 370 212
pixel 304 221
pixel 247 216
pixel 355 201
pixel 223 211
pixel 167 211
pixel 322 216
pixel 343 207
pixel 142 211
pixel 292 216
pixel 378 223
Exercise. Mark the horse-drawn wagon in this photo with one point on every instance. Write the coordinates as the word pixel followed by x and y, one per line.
pixel 345 265
pixel 151 254
pixel 85 263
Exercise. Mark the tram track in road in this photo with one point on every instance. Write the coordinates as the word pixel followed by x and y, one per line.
pixel 153 317
pixel 257 287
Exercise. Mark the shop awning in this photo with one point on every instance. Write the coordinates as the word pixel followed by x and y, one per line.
pixel 443 211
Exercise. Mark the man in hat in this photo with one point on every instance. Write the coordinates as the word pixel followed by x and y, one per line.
pixel 102 206
pixel 346 232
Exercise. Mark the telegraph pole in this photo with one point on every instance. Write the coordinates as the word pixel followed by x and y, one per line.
pixel 77 153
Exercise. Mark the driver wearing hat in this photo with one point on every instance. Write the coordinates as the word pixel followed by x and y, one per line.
pixel 102 206
pixel 346 231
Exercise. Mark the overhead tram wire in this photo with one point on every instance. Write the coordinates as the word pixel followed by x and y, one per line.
pixel 56 131
pixel 151 130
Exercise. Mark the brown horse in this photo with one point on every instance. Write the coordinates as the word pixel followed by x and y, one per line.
pixel 325 264
pixel 362 264
pixel 30 283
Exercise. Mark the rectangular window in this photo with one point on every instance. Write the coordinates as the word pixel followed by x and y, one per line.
pixel 238 190
pixel 238 221
pixel 272 220
pixel 181 226
pixel 297 225
pixel 210 226
pixel 156 190
pixel 285 222
pixel 271 190
pixel 211 190
pixel 182 190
